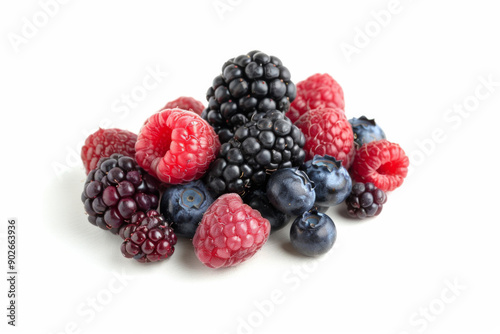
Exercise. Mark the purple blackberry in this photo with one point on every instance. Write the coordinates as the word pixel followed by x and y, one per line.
pixel 117 189
pixel 260 147
pixel 365 200
pixel 147 238
pixel 255 82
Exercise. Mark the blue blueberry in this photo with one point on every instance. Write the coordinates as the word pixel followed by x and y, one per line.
pixel 184 206
pixel 320 208
pixel 258 200
pixel 290 191
pixel 313 233
pixel 332 181
pixel 365 130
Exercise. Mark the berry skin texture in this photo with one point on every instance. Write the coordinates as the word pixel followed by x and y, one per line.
pixel 328 132
pixel 148 238
pixel 186 103
pixel 230 232
pixel 290 191
pixel 317 91
pixel 184 206
pixel 332 181
pixel 267 143
pixel 313 233
pixel 365 200
pixel 104 142
pixel 116 190
pixel 176 146
pixel 365 131
pixel 255 82
pixel 258 200
pixel 382 163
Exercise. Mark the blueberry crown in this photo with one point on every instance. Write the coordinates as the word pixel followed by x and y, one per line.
pixel 326 161
pixel 363 121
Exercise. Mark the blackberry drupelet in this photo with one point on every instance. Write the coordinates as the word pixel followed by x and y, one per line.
pixel 365 200
pixel 255 82
pixel 147 238
pixel 117 189
pixel 260 147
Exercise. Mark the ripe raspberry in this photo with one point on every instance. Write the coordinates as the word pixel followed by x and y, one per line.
pixel 229 233
pixel 327 132
pixel 105 142
pixel 147 238
pixel 186 103
pixel 116 190
pixel 176 146
pixel 317 91
pixel 382 163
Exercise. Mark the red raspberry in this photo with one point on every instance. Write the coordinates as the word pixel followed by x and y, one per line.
pixel 186 103
pixel 176 146
pixel 229 233
pixel 327 131
pixel 382 163
pixel 317 91
pixel 105 142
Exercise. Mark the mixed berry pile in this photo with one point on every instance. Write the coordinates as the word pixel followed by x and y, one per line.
pixel 264 152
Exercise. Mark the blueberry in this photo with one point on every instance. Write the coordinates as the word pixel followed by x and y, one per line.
pixel 184 206
pixel 290 191
pixel 258 200
pixel 332 181
pixel 365 130
pixel 313 233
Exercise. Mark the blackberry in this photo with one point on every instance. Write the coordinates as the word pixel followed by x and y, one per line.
pixel 117 189
pixel 255 82
pixel 365 200
pixel 147 237
pixel 268 142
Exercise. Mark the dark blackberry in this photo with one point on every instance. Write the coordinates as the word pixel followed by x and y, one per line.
pixel 117 189
pixel 147 237
pixel 255 82
pixel 263 145
pixel 365 200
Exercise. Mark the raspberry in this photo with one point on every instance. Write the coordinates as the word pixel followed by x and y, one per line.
pixel 229 233
pixel 186 103
pixel 105 142
pixel 317 91
pixel 267 143
pixel 327 132
pixel 116 190
pixel 176 146
pixel 147 238
pixel 382 163
pixel 255 82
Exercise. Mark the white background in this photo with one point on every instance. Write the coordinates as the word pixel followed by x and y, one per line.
pixel 67 77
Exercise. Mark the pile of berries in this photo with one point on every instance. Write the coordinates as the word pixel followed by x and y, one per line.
pixel 264 151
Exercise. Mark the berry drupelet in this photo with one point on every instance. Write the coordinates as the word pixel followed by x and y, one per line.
pixel 147 238
pixel 255 82
pixel 117 189
pixel 365 200
pixel 260 147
